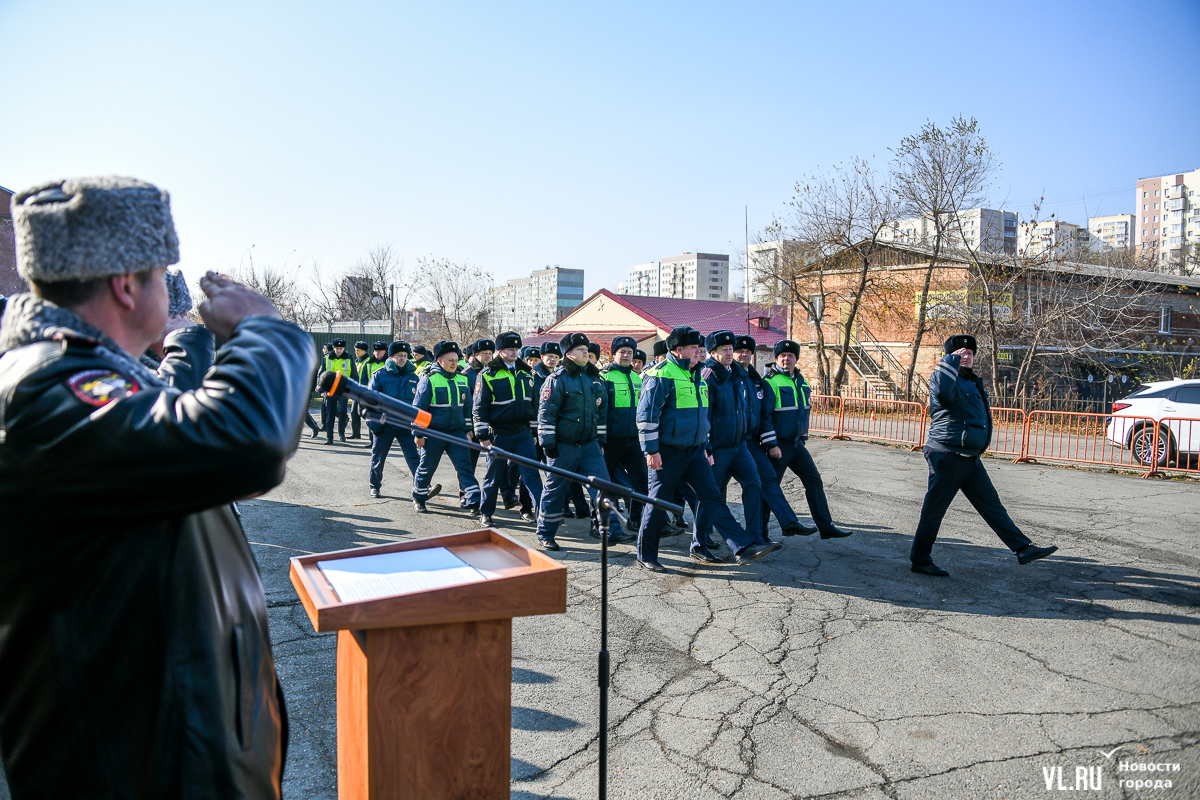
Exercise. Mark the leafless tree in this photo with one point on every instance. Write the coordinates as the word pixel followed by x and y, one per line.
pixel 456 295
pixel 938 173
pixel 376 285
pixel 279 285
pixel 834 223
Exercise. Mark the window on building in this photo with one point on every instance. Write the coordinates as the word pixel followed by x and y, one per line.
pixel 1164 320
pixel 1145 206
pixel 1156 195
pixel 1145 219
pixel 1144 194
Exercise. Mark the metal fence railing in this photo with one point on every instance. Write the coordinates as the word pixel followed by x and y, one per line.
pixel 1126 442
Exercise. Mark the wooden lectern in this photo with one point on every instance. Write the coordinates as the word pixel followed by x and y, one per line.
pixel 424 695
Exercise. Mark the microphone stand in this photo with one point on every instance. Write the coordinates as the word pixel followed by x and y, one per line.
pixel 606 505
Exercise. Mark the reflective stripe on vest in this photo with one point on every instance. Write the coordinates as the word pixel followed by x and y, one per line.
pixel 503 375
pixel 685 388
pixel 334 364
pixel 799 391
pixel 628 392
pixel 438 381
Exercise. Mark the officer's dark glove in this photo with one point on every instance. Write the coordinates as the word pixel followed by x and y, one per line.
pixel 551 450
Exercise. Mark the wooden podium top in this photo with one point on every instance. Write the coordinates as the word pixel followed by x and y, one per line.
pixel 520 582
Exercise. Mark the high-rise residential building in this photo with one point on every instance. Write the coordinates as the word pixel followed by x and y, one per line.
pixel 691 276
pixel 642 282
pixel 763 260
pixel 1114 231
pixel 1052 238
pixel 1167 215
pixel 526 304
pixel 986 230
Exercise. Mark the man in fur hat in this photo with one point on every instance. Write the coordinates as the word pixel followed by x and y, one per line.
pixel 134 648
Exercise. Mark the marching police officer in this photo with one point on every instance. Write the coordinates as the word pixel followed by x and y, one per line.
pixel 421 356
pixel 366 369
pixel 445 393
pixel 503 411
pixel 362 360
pixel 397 378
pixel 763 445
pixel 622 453
pixel 730 397
pixel 572 426
pixel 791 399
pixel 335 407
pixel 531 354
pixel 673 428
pixel 551 356
pixel 960 429
pixel 660 351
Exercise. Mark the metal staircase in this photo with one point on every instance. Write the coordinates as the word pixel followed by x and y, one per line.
pixel 879 369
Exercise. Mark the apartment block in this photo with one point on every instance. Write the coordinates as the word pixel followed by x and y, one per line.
pixel 986 230
pixel 527 304
pixel 1115 231
pixel 1167 214
pixel 643 280
pixel 1052 238
pixel 763 268
pixel 691 276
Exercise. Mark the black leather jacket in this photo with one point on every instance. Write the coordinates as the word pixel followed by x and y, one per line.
pixel 135 657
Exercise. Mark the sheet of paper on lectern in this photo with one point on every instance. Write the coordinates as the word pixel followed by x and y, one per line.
pixel 391 574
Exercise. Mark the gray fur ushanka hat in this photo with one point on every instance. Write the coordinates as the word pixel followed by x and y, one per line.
pixel 85 228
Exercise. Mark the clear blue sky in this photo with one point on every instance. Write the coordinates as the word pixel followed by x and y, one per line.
pixel 594 136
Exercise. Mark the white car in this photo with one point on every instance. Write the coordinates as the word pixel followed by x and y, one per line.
pixel 1158 401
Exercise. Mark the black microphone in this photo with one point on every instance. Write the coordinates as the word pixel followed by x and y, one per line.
pixel 335 384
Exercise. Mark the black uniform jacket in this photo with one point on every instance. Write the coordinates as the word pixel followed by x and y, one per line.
pixel 135 659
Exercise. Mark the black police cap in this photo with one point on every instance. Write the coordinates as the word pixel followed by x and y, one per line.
pixel 744 343
pixel 660 349
pixel 623 341
pixel 594 347
pixel 379 346
pixel 573 340
pixel 445 346
pixel 787 346
pixel 338 343
pixel 479 345
pixel 959 341
pixel 551 349
pixel 398 347
pixel 719 339
pixel 683 336
pixel 507 339
pixel 639 355
pixel 360 345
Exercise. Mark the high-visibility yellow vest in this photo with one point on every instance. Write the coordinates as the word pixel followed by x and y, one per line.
pixel 627 388
pixel 339 365
pixel 799 394
pixel 685 387
pixel 456 391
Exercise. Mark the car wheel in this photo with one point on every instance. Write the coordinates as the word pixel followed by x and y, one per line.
pixel 1142 445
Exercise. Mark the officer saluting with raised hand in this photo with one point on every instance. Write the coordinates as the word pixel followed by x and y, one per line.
pixel 572 426
pixel 335 407
pixel 503 409
pixel 673 429
pixel 960 429
pixel 792 398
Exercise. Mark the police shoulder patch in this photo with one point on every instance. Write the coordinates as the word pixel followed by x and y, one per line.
pixel 546 389
pixel 706 373
pixel 99 387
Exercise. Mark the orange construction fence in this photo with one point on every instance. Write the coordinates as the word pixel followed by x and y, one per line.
pixel 895 421
pixel 1136 443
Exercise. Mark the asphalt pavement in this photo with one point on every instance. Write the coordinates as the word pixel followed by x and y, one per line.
pixel 829 669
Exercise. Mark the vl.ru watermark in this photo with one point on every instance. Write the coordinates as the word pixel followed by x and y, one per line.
pixel 1130 774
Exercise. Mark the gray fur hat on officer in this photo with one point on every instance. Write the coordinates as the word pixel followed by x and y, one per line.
pixel 177 291
pixel 86 228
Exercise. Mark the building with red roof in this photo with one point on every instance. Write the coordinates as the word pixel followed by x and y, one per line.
pixel 605 315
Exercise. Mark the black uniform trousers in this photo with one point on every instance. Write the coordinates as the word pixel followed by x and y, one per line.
pixel 797 458
pixel 736 463
pixel 334 408
pixel 381 445
pixel 949 473
pixel 773 499
pixel 355 421
pixel 687 467
pixel 624 459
